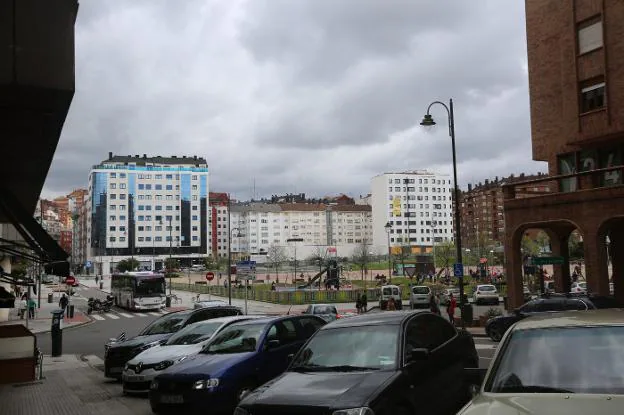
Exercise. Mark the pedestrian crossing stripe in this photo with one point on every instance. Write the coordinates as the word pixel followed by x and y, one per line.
pixel 113 316
pixel 154 313
pixel 97 317
pixel 126 315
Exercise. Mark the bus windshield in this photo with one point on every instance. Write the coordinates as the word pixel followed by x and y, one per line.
pixel 152 286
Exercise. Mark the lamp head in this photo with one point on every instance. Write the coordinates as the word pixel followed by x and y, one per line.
pixel 428 121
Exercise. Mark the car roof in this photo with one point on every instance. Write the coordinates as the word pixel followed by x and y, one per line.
pixel 272 319
pixel 486 285
pixel 604 317
pixel 227 319
pixel 323 305
pixel 386 317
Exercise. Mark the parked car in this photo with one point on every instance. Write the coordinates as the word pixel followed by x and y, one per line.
pixel 496 327
pixel 420 296
pixel 486 293
pixel 242 357
pixel 383 363
pixel 568 363
pixel 207 303
pixel 117 352
pixel 327 312
pixel 579 287
pixel 526 292
pixel 446 295
pixel 390 291
pixel 141 369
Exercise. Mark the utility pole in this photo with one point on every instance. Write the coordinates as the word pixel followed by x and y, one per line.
pixel 229 233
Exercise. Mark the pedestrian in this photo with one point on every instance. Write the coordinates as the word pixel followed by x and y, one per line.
pixel 358 305
pixel 391 304
pixel 32 304
pixel 451 309
pixel 364 302
pixel 23 306
pixel 63 304
pixel 434 306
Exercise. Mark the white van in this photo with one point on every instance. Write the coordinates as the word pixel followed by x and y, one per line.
pixel 390 291
pixel 420 296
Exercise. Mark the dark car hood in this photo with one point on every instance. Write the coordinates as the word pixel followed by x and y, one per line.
pixel 206 364
pixel 508 319
pixel 320 389
pixel 141 340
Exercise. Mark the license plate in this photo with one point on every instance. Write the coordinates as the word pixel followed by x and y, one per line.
pixel 115 369
pixel 171 399
pixel 134 378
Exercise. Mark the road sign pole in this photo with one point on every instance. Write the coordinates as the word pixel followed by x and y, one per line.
pixel 246 293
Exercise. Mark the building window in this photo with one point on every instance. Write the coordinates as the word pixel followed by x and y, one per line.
pixel 590 36
pixel 122 185
pixel 593 97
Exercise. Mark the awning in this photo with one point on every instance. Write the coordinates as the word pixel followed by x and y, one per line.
pixel 37 244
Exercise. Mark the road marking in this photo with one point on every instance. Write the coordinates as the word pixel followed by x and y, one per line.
pixel 485 346
pixel 153 313
pixel 97 317
pixel 113 316
pixel 126 315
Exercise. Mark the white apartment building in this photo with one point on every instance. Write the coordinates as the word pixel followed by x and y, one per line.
pixel 417 204
pixel 255 227
pixel 148 208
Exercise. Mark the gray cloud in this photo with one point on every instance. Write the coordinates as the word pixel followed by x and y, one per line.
pixel 307 96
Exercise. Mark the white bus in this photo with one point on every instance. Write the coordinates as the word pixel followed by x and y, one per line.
pixel 143 290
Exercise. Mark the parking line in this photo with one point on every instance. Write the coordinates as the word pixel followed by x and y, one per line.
pixel 113 316
pixel 126 315
pixel 97 317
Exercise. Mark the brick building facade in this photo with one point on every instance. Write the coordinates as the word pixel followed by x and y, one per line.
pixel 575 56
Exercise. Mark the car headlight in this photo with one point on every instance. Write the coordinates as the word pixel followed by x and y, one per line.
pixel 354 411
pixel 166 363
pixel 140 349
pixel 154 385
pixel 206 384
pixel 240 411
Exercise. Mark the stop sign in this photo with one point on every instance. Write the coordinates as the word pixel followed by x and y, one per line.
pixel 70 280
pixel 210 276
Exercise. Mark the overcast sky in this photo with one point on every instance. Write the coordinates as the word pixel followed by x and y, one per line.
pixel 313 96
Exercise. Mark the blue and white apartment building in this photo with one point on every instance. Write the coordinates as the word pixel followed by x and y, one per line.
pixel 148 208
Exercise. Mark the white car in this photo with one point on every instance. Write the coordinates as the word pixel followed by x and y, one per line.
pixel 140 370
pixel 420 296
pixel 579 288
pixel 486 293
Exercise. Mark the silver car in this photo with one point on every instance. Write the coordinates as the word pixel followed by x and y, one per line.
pixel 420 296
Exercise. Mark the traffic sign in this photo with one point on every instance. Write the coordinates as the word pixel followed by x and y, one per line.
pixel 548 260
pixel 70 280
pixel 246 270
pixel 458 270
pixel 210 276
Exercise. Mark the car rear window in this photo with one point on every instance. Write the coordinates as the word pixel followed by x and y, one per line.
pixel 487 288
pixel 420 290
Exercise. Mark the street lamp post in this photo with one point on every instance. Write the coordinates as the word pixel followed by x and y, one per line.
pixel 170 253
pixel 429 122
pixel 387 227
pixel 229 253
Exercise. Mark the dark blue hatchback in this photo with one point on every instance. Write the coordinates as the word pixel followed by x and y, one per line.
pixel 242 357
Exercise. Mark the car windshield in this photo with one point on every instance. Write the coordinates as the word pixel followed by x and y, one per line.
pixel 420 290
pixel 167 324
pixel 487 288
pixel 194 334
pixel 325 310
pixel 350 348
pixel 150 286
pixel 561 360
pixel 238 338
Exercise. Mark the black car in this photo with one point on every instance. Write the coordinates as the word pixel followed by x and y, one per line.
pixel 240 358
pixel 390 363
pixel 496 327
pixel 118 353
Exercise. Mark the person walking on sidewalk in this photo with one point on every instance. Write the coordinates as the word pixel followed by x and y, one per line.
pixel 23 306
pixel 63 304
pixel 451 309
pixel 32 304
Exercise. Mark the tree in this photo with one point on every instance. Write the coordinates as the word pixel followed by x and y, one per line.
pixel 444 255
pixel 276 256
pixel 209 262
pixel 529 246
pixel 318 255
pixel 171 264
pixel 575 246
pixel 128 264
pixel 362 257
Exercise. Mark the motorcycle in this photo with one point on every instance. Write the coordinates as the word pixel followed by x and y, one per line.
pixel 99 306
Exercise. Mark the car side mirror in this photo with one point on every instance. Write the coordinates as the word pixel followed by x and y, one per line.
pixel 419 354
pixel 474 377
pixel 272 344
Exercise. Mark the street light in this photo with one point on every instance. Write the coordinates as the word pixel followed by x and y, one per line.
pixel 429 122
pixel 387 227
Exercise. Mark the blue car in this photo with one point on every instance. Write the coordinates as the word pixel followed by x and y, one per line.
pixel 242 357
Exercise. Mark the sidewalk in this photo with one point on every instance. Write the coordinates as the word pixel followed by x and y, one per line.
pixel 43 314
pixel 71 386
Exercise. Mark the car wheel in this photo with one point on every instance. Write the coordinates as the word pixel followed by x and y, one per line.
pixel 495 334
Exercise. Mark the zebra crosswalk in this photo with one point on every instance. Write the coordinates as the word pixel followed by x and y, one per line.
pixel 116 315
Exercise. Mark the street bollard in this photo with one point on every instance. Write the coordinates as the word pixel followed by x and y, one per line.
pixel 168 301
pixel 101 285
pixel 50 298
pixel 71 311
pixel 57 333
